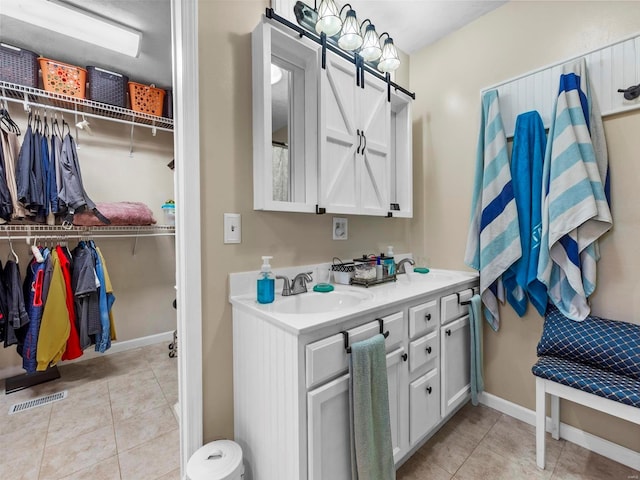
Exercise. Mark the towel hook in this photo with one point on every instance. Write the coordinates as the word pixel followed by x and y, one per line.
pixel 382 332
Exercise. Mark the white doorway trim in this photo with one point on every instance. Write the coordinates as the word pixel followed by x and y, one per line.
pixel 186 134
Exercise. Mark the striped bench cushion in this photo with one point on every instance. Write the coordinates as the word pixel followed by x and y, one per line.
pixel 607 344
pixel 589 379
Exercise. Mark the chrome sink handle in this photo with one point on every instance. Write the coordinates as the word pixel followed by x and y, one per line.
pixel 299 283
pixel 286 287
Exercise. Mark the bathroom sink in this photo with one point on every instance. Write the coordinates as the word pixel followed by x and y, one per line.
pixel 314 302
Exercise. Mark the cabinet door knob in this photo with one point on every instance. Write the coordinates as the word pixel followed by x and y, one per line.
pixel 427 317
pixel 405 357
pixel 428 350
pixel 448 332
pixel 429 390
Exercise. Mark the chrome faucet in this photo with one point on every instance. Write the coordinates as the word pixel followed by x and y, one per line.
pixel 400 266
pixel 297 285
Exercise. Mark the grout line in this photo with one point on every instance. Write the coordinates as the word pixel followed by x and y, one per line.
pixel 44 446
pixel 479 442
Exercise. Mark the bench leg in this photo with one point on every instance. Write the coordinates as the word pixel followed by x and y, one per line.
pixel 540 422
pixel 555 417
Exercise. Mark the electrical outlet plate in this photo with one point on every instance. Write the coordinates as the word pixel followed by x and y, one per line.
pixel 232 228
pixel 340 228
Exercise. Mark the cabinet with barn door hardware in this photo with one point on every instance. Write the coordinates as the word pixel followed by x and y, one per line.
pixel 328 137
pixel 302 376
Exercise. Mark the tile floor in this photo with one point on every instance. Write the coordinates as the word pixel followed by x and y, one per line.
pixel 117 422
pixel 480 443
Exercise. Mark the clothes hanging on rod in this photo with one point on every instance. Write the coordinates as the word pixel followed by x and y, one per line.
pixel 11 150
pixel 67 302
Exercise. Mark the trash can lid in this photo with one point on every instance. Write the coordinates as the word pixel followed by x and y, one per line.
pixel 219 460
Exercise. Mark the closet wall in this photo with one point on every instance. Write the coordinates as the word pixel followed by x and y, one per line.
pixel 447 77
pixel 143 281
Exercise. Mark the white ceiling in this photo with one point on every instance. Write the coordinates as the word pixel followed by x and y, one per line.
pixel 413 24
pixel 150 17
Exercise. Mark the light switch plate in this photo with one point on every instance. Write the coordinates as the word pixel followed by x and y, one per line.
pixel 232 228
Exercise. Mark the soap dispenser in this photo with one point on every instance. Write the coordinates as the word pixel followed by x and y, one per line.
pixel 266 282
pixel 389 262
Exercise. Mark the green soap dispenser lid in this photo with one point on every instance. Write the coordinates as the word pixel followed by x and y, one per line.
pixel 323 287
pixel 421 270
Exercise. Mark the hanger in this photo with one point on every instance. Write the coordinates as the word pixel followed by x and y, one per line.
pixel 6 122
pixel 37 254
pixel 13 252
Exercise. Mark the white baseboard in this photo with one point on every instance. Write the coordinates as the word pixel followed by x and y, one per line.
pixel 89 353
pixel 572 434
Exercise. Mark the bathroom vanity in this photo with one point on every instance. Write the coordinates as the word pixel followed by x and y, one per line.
pixel 291 380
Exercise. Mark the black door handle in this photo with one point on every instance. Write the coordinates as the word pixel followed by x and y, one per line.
pixel 427 317
pixel 365 142
pixel 429 390
pixel 448 332
pixel 405 357
pixel 359 141
pixel 428 350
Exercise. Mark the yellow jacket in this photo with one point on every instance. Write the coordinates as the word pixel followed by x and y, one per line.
pixel 54 327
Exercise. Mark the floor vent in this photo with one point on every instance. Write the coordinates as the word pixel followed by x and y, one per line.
pixel 37 402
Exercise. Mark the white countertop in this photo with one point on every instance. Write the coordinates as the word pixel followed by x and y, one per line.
pixel 406 288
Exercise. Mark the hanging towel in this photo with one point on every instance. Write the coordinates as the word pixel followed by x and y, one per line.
pixel 493 243
pixel 575 210
pixel 527 157
pixel 475 322
pixel 372 452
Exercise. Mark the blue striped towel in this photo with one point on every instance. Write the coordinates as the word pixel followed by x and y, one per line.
pixel 493 243
pixel 575 209
pixel 527 157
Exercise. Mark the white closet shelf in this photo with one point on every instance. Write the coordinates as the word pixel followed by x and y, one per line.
pixel 36 98
pixel 27 231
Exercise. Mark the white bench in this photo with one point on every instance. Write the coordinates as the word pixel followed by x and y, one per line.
pixel 595 363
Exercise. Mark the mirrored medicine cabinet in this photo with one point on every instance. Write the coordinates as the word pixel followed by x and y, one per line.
pixel 285 82
pixel 320 142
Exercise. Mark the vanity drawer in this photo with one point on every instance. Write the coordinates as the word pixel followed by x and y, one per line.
pixel 423 350
pixel 423 318
pixel 450 305
pixel 424 405
pixel 327 358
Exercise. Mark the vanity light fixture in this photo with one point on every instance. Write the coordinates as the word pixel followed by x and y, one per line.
pixel 389 60
pixel 370 49
pixel 329 21
pixel 350 36
pixel 74 23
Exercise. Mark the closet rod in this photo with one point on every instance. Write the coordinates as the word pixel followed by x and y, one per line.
pixel 86 114
pixel 89 235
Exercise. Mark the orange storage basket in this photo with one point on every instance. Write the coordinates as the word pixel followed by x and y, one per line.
pixel 62 78
pixel 146 98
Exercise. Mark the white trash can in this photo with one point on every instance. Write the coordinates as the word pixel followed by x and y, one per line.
pixel 219 460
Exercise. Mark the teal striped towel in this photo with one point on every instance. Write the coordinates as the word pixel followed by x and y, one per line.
pixel 371 447
pixel 493 243
pixel 575 209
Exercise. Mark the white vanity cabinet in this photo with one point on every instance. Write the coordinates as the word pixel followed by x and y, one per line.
pixel 291 389
pixel 328 422
pixel 455 338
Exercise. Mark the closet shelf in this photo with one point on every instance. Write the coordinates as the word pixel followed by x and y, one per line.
pixel 36 98
pixel 26 231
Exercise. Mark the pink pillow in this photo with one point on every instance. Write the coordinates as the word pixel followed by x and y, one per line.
pixel 120 213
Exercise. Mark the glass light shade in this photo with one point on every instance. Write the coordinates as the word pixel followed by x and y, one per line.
pixel 350 38
pixel 329 20
pixel 370 50
pixel 389 60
